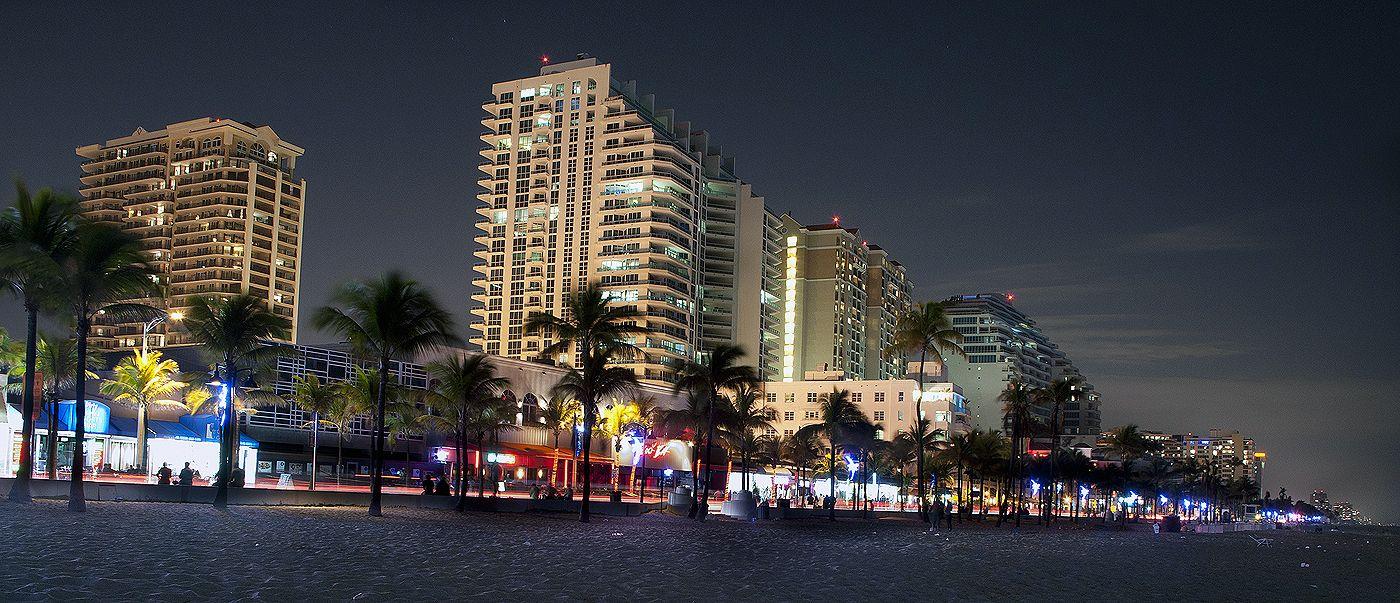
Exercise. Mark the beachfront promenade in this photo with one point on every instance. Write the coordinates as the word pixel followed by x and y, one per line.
pixel 132 550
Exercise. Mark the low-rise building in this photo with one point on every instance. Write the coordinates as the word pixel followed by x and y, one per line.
pixel 889 403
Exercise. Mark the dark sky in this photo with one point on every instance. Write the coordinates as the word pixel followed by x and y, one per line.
pixel 1198 201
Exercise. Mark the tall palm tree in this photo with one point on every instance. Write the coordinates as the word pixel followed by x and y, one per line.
pixel 56 360
pixel 925 329
pixel 236 333
pixel 363 389
pixel 1061 392
pixel 486 419
pixel 802 450
pixel 461 385
pixel 719 372
pixel 838 419
pixel 557 416
pixel 928 442
pixel 687 422
pixel 36 234
pixel 105 267
pixel 957 454
pixel 1018 401
pixel 598 332
pixel 401 420
pixel 747 419
pixel 387 319
pixel 142 380
pixel 585 388
pixel 311 395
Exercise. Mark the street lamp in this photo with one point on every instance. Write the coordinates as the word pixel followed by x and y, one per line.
pixel 151 324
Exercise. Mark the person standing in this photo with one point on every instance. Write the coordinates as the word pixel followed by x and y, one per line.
pixel 187 475
pixel 163 474
pixel 428 484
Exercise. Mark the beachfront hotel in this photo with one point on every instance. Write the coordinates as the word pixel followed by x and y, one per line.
pixel 1003 344
pixel 842 298
pixel 888 403
pixel 217 204
pixel 588 180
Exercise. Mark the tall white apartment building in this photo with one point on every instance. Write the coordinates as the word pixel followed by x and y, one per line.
pixel 587 180
pixel 217 204
pixel 1002 344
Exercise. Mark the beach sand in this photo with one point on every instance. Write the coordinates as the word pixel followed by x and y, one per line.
pixel 129 551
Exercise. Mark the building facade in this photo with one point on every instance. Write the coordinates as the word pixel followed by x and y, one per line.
pixel 1003 344
pixel 586 180
pixel 889 403
pixel 218 206
pixel 888 295
pixel 824 305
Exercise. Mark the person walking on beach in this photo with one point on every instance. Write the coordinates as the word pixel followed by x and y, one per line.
pixel 163 474
pixel 428 484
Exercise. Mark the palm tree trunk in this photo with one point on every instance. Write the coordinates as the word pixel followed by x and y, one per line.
pixel 918 416
pixel 587 457
pixel 315 444
pixel 227 439
pixel 77 501
pixel 481 465
pixel 376 452
pixel 50 405
pixel 140 436
pixel 695 475
pixel 832 489
pixel 339 448
pixel 460 448
pixel 709 448
pixel 19 490
pixel 554 464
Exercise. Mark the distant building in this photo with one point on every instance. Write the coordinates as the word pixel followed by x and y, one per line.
pixel 216 203
pixel 1227 453
pixel 1003 344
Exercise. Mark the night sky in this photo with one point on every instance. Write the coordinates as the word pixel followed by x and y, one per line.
pixel 1199 202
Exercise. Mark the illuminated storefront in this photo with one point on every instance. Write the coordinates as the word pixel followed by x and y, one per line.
pixel 110 442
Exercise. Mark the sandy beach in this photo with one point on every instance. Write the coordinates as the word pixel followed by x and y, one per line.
pixel 132 551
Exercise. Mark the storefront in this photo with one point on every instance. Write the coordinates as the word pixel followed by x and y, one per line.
pixel 109 443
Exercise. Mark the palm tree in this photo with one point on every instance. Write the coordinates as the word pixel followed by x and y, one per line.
pixel 557 416
pixel 362 390
pixel 927 442
pixel 802 450
pixel 1061 392
pixel 747 418
pixel 105 267
pixel 838 419
pixel 926 329
pixel 1017 404
pixel 236 333
pixel 341 416
pixel 718 373
pixel 57 361
pixel 957 454
pixel 392 318
pixel 687 422
pixel 461 384
pixel 584 388
pixel 401 420
pixel 36 234
pixel 142 380
pixel 311 395
pixel 488 417
pixel 597 332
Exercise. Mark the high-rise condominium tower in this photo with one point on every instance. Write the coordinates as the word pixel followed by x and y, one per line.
pixel 216 203
pixel 586 180
pixel 888 296
pixel 1003 344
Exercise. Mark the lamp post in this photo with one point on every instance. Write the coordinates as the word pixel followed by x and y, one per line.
pixel 151 324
